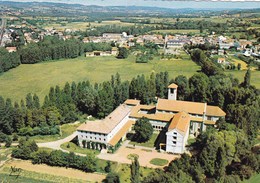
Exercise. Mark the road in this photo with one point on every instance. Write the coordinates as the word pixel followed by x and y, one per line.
pixel 56 144
pixel 3 25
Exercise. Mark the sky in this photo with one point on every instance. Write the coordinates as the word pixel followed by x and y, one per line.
pixel 164 3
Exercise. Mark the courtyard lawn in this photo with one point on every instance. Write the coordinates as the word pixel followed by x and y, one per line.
pixel 76 149
pixel 159 162
pixel 38 78
pixel 149 143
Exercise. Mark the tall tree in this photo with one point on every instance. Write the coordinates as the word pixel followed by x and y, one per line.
pixel 135 174
pixel 247 78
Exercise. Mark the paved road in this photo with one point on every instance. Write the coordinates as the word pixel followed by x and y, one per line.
pixel 2 29
pixel 56 144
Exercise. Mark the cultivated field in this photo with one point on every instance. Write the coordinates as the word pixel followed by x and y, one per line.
pixel 38 78
pixel 82 25
pixel 255 75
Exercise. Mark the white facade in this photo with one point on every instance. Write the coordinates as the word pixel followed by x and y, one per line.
pixel 172 93
pixel 91 136
pixel 176 141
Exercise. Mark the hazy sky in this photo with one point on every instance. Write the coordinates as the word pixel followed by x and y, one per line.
pixel 163 3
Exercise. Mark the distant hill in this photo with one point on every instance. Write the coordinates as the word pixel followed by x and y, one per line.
pixel 58 9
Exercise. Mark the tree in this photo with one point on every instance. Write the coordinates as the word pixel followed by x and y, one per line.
pixel 198 86
pixel 8 141
pixel 122 53
pixel 108 167
pixel 135 174
pixel 112 177
pixel 247 78
pixel 143 130
pixel 239 66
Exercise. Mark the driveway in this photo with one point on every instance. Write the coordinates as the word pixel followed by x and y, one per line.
pixel 145 156
pixel 56 144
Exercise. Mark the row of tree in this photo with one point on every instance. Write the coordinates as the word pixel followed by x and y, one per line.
pixel 28 149
pixel 50 48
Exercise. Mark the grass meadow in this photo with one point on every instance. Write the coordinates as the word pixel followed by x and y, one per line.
pixel 38 78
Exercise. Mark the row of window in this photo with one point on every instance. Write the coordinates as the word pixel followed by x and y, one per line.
pixel 95 138
pixel 94 133
pixel 158 127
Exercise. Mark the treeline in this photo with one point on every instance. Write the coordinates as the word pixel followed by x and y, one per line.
pixel 223 155
pixel 28 118
pixel 130 30
pixel 8 60
pixel 51 48
pixel 63 105
pixel 28 149
pixel 208 67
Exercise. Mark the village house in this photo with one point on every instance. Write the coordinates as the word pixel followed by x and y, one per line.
pixel 221 60
pixel 113 52
pixel 11 49
pixel 177 119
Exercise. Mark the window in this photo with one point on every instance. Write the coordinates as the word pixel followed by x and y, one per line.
pixel 174 138
pixel 174 133
pixel 99 138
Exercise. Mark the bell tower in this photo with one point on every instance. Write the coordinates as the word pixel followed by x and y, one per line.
pixel 172 91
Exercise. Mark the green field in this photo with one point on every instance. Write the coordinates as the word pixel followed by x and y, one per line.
pixel 83 25
pixel 255 75
pixel 253 179
pixel 38 78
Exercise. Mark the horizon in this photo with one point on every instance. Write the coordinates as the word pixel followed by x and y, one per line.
pixel 182 4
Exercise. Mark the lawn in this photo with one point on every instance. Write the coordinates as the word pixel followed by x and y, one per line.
pixel 159 161
pixel 125 173
pixel 253 179
pixel 76 149
pixel 4 153
pixel 38 78
pixel 255 75
pixel 149 143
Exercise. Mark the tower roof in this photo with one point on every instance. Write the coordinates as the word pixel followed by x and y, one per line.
pixel 173 86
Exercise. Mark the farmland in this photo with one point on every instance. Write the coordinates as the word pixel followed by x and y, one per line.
pixel 38 78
